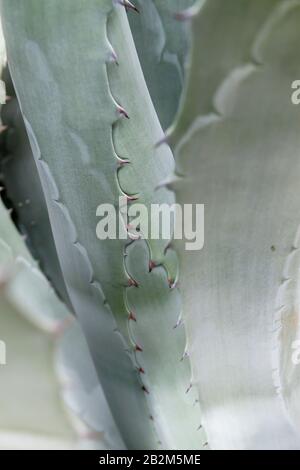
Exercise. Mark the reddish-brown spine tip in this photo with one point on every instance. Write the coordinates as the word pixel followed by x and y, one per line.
pixel 132 283
pixel 152 265
pixel 129 5
pixel 122 112
pixel 132 198
pixel 172 283
pixel 113 58
pixel 179 323
pixel 122 163
pixel 132 316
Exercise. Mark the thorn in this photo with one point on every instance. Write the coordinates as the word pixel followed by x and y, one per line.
pixel 172 283
pixel 205 444
pixel 122 112
pixel 141 370
pixel 179 323
pixel 122 163
pixel 133 237
pixel 10 211
pixel 128 5
pixel 185 354
pixel 189 388
pixel 151 417
pixel 132 283
pixel 138 348
pixel 132 316
pixel 3 129
pixel 112 57
pixel 132 198
pixel 145 389
pixel 199 427
pixel 152 265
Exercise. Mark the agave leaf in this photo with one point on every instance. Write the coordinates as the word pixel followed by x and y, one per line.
pixel 163 360
pixel 229 52
pixel 84 394
pixel 27 197
pixel 32 415
pixel 2 65
pixel 237 142
pixel 43 347
pixel 162 45
pixel 74 100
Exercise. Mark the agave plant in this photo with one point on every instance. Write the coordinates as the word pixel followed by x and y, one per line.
pixel 47 362
pixel 156 102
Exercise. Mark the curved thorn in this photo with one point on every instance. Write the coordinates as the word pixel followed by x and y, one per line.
pixel 152 265
pixel 128 5
pixel 112 57
pixel 132 283
pixel 122 112
pixel 132 316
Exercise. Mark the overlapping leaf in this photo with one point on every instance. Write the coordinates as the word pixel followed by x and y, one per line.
pixel 35 326
pixel 75 100
pixel 237 146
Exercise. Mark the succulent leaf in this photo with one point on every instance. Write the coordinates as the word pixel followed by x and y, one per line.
pixel 2 65
pixel 75 100
pixel 162 45
pixel 204 81
pixel 28 383
pixel 27 197
pixel 237 145
pixel 47 359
